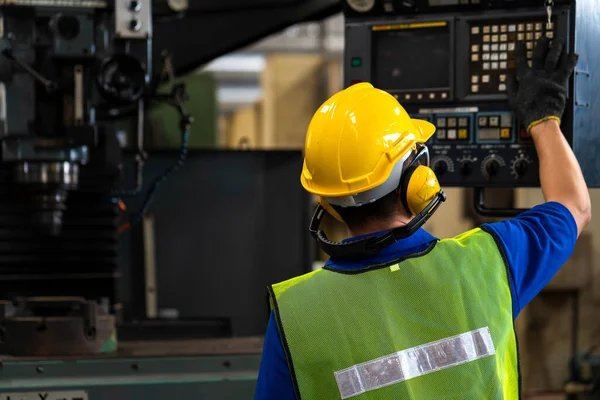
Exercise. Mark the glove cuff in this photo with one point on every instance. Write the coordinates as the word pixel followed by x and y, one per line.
pixel 539 121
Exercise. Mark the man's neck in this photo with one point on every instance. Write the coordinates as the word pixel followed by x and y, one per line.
pixel 379 226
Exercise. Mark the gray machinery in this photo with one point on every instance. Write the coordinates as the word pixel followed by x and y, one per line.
pixel 71 72
pixel 447 61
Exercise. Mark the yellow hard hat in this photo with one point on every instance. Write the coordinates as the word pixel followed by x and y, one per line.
pixel 354 144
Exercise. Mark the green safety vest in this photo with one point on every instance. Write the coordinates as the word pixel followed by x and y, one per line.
pixel 432 325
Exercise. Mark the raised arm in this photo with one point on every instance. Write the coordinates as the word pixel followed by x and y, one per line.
pixel 538 95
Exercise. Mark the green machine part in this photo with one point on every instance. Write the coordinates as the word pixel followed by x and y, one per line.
pixel 162 123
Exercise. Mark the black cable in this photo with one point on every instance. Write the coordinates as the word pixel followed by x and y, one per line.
pixel 183 152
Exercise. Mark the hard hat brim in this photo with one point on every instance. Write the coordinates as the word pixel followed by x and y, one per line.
pixel 425 128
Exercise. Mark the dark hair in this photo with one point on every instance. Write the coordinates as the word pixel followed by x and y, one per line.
pixel 379 210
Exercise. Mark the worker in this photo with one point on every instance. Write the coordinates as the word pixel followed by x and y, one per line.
pixel 397 313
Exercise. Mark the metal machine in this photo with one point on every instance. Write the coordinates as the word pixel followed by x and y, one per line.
pixel 448 61
pixel 76 79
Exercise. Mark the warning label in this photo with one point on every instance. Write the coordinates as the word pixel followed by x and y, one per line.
pixel 72 395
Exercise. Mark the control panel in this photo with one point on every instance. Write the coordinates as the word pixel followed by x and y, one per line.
pixel 492 50
pixel 449 62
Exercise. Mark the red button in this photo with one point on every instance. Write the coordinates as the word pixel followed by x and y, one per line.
pixel 523 133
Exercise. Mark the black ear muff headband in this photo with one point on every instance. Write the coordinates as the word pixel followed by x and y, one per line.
pixel 370 245
pixel 373 245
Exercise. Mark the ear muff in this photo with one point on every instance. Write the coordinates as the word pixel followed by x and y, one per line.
pixel 330 209
pixel 419 188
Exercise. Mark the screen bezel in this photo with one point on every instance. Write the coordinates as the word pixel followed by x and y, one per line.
pixel 450 26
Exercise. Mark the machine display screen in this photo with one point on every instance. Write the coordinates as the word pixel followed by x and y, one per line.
pixel 413 58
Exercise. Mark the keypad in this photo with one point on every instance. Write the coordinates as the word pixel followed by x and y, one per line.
pixel 495 127
pixel 453 127
pixel 492 51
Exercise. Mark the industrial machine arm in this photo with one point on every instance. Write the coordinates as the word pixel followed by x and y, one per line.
pixel 199 31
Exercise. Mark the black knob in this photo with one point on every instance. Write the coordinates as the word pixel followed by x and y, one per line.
pixel 465 168
pixel 492 168
pixel 134 25
pixel 134 5
pixel 520 167
pixel 68 26
pixel 440 168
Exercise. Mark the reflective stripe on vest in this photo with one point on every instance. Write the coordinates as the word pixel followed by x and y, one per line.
pixel 431 325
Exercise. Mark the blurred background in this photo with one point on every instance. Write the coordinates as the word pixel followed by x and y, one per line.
pixel 263 96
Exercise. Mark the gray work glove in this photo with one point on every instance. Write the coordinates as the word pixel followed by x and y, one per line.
pixel 539 93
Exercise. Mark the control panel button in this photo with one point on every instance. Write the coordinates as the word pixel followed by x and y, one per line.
pixel 441 134
pixel 505 133
pixel 489 134
pixel 463 134
pixel 523 133
pixel 506 121
pixel 463 122
pixel 356 62
pixel 494 121
pixel 451 134
pixel 483 121
pixel 441 122
pixel 451 122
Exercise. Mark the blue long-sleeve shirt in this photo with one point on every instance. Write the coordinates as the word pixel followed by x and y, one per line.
pixel 536 243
